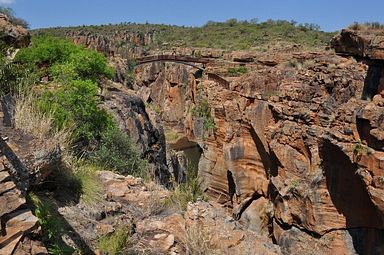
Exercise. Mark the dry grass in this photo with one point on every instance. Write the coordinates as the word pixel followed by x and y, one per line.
pixel 115 243
pixel 198 240
pixel 171 135
pixel 30 120
pixel 33 122
pixel 189 191
pixel 155 203
pixel 91 187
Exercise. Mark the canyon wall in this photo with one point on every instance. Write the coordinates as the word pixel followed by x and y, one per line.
pixel 293 148
pixel 296 151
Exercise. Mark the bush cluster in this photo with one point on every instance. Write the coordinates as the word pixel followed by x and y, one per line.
pixel 117 152
pixel 51 224
pixel 237 71
pixel 203 110
pixel 72 100
pixel 63 60
pixel 75 104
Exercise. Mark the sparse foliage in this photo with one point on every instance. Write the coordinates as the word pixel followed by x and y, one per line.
pixel 232 34
pixel 118 153
pixel 12 18
pixel 237 71
pixel 366 26
pixel 114 243
pixel 51 225
pixel 189 191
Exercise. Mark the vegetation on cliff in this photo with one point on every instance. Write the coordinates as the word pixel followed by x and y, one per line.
pixel 366 26
pixel 56 85
pixel 231 34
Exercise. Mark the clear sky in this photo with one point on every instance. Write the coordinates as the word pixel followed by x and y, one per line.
pixel 331 15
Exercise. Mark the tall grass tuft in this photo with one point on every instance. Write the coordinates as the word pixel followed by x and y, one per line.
pixel 189 191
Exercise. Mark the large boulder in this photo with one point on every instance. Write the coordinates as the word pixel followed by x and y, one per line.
pixel 13 35
pixel 360 43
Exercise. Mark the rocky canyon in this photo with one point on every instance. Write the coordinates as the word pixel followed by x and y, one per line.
pixel 288 143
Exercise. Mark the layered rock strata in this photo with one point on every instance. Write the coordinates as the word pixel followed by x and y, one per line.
pixel 290 146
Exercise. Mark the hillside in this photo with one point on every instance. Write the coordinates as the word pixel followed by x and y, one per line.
pixel 229 35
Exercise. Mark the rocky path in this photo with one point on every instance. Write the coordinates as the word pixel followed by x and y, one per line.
pixel 16 218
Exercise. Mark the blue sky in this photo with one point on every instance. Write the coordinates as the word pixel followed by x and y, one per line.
pixel 331 15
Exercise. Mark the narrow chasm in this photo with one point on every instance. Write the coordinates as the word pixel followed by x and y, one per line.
pixel 372 80
pixel 184 156
pixel 351 199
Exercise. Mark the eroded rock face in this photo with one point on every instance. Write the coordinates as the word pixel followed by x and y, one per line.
pixel 142 127
pixel 366 45
pixel 296 151
pixel 111 43
pixel 17 220
pixel 286 152
pixel 360 43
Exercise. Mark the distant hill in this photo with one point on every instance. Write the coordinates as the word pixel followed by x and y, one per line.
pixel 230 35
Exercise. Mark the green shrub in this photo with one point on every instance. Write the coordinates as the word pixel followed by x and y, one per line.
pixel 14 77
pixel 76 104
pixel 359 148
pixel 237 71
pixel 113 244
pixel 203 110
pixel 130 76
pixel 89 64
pixel 51 225
pixel 117 152
pixel 64 72
pixel 46 50
pixel 52 54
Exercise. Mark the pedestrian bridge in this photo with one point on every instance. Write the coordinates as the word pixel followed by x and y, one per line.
pixel 185 60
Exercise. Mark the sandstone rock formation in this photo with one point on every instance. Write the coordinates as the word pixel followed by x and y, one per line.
pixel 292 143
pixel 24 161
pixel 293 150
pixel 157 230
pixel 17 220
pixel 360 43
pixel 143 127
pixel 126 43
pixel 16 36
pixel 365 45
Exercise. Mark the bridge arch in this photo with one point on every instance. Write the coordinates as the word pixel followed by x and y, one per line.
pixel 185 60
